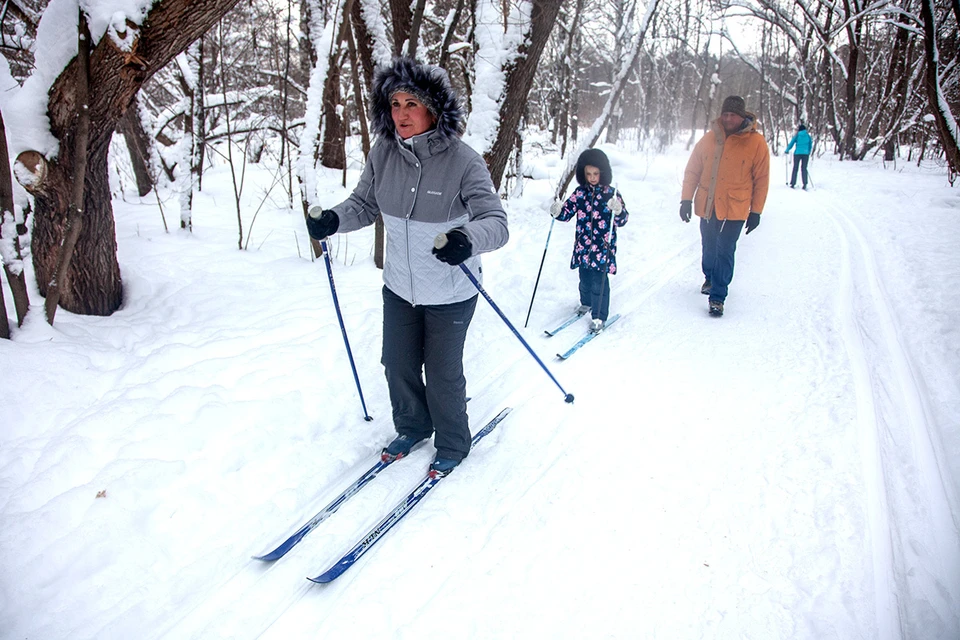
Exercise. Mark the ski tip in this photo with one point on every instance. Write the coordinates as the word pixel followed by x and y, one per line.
pixel 568 398
pixel 268 557
pixel 327 577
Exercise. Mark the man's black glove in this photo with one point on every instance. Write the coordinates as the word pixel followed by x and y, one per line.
pixel 453 247
pixel 322 223
pixel 753 221
pixel 686 210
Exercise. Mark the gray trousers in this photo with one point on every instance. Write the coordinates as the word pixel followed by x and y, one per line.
pixel 427 341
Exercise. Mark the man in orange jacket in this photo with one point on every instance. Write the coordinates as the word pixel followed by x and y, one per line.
pixel 725 184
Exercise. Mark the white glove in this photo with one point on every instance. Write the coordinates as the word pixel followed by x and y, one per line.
pixel 556 208
pixel 615 205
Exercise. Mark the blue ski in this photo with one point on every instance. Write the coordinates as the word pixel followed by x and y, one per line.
pixel 587 338
pixel 402 509
pixel 326 512
pixel 563 325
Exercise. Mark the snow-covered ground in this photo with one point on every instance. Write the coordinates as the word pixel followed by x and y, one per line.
pixel 787 471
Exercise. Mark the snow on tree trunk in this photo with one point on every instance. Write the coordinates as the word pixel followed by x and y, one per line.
pixel 320 36
pixel 188 166
pixel 119 65
pixel 10 231
pixel 505 76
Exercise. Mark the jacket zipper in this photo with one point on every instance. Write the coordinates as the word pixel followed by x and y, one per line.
pixel 413 293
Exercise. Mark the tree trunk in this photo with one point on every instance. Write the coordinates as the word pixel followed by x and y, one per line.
pixel 92 284
pixel 333 153
pixel 80 139
pixel 854 32
pixel 402 19
pixel 519 80
pixel 946 123
pixel 448 36
pixel 415 24
pixel 363 41
pixel 138 145
pixel 15 277
pixel 4 322
pixel 379 236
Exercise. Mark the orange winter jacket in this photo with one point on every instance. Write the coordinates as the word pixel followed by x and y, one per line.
pixel 729 175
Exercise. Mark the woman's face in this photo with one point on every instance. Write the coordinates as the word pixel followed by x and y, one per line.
pixel 592 174
pixel 410 117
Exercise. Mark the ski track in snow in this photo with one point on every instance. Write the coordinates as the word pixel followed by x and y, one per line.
pixel 893 430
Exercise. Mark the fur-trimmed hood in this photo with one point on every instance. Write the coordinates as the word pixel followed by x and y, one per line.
pixel 430 82
pixel 594 158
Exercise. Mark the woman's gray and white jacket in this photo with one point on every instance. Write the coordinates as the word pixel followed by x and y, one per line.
pixel 424 186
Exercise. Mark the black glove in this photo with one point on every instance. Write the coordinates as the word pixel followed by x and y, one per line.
pixel 686 210
pixel 452 248
pixel 753 221
pixel 322 223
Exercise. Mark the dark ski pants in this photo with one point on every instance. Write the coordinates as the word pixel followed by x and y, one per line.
pixel 799 160
pixel 595 291
pixel 719 240
pixel 428 340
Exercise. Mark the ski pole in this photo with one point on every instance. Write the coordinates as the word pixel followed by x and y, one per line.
pixel 343 329
pixel 439 242
pixel 609 251
pixel 542 260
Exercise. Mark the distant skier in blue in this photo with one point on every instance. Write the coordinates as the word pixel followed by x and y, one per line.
pixel 595 204
pixel 802 155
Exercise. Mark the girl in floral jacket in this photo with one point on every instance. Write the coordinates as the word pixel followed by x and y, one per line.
pixel 595 204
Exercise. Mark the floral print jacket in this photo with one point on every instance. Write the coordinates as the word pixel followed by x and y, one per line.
pixel 590 205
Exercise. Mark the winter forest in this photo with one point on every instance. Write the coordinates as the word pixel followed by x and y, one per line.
pixel 285 83
pixel 182 386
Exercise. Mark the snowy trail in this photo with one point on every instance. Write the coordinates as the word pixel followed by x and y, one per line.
pixel 787 471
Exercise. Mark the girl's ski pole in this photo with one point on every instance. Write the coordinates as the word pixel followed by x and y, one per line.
pixel 343 330
pixel 439 242
pixel 542 260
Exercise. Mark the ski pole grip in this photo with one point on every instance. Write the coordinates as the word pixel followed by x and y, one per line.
pixel 440 241
pixel 315 212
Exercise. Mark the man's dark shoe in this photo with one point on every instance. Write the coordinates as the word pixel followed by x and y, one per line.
pixel 705 288
pixel 716 308
pixel 400 447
